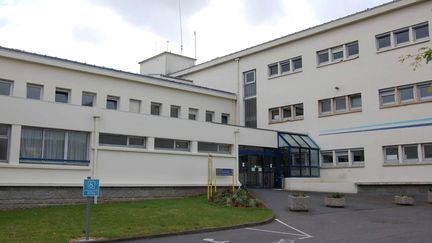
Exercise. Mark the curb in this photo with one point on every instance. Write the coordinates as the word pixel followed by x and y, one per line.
pixel 184 232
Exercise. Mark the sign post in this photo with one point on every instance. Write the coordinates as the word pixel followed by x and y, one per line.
pixel 225 172
pixel 90 189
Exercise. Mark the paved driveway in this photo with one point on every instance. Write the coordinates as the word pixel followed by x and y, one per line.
pixel 364 219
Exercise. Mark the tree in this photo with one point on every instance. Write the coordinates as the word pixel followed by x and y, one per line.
pixel 423 54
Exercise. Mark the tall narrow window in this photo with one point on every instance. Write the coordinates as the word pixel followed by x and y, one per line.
pixel 155 108
pixel 4 142
pixel 112 103
pixel 34 91
pixel 427 151
pixel 209 116
pixel 88 99
pixel 249 80
pixel 5 87
pixel 193 114
pixel 175 111
pixel 135 106
pixel 62 95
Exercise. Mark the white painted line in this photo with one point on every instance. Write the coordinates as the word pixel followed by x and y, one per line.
pixel 304 234
pixel 274 232
pixel 215 241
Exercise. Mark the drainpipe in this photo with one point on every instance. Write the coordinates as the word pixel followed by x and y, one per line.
pixel 236 145
pixel 238 100
pixel 96 116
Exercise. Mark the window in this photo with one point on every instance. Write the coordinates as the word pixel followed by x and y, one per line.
pixel 274 114
pixel 249 79
pixel 421 31
pixel 327 157
pixel 273 69
pixel 5 87
pixel 286 113
pixel 340 104
pixel 250 84
pixel 112 102
pixel 224 118
pixel 62 95
pixel 337 53
pixel 337 105
pixel 425 91
pixel 171 144
pixel 34 91
pixel 391 154
pixel 406 94
pixel 406 35
pixel 352 49
pixel 209 116
pixel 323 57
pixel 387 97
pixel 285 66
pixel 155 108
pixel 250 113
pixel 342 156
pixel 135 106
pixel 401 36
pixel 175 111
pixel 410 152
pixel 193 114
pixel 357 156
pixel 298 109
pixel 4 142
pixel 42 145
pixel 297 63
pixel 383 41
pixel 88 99
pixel 204 147
pixel 121 140
pixel 427 151
pixel 325 106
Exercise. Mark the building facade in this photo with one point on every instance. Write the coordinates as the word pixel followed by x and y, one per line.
pixel 330 108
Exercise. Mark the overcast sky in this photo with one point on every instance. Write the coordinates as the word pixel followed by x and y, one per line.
pixel 120 33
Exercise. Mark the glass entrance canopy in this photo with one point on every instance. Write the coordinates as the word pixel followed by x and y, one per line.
pixel 299 155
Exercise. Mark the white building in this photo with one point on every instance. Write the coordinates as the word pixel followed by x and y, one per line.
pixel 349 115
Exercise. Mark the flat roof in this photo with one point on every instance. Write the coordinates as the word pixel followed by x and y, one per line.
pixel 100 70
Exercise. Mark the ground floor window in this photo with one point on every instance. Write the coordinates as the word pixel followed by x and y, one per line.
pixel 42 145
pixel 4 142
pixel 171 144
pixel 204 147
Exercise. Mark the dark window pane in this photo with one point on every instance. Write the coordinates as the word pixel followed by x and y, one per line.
pixel 327 157
pixel 391 153
pixel 421 31
pixel 297 63
pixel 286 112
pixel 273 69
pixel 62 96
pixel 337 53
pixel 325 106
pixel 357 155
pixel 163 143
pixel 406 94
pixel 285 67
pixel 193 114
pixel 352 49
pixel 175 111
pixel 427 150
pixel 207 147
pixel 137 141
pixel 112 104
pixel 5 87
pixel 155 109
pixel 4 130
pixel 323 57
pixel 224 118
pixel 3 148
pixel 250 113
pixel 410 152
pixel 425 91
pixel 34 92
pixel 342 156
pixel 250 77
pixel 182 145
pixel 209 116
pixel 250 90
pixel 355 101
pixel 402 36
pixel 87 99
pixel 340 104
pixel 274 114
pixel 383 41
pixel 387 97
pixel 298 109
pixel 111 139
pixel 224 148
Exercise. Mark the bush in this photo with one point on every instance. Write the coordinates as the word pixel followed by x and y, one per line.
pixel 336 195
pixel 298 194
pixel 404 194
pixel 240 198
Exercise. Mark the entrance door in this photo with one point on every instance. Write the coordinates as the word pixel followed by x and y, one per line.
pixel 257 168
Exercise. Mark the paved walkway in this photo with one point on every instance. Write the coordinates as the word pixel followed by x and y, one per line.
pixel 364 219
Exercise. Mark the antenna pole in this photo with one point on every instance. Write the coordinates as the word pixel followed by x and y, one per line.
pixel 181 30
pixel 195 42
pixel 167 45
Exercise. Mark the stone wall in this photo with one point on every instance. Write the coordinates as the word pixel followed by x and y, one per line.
pixel 27 197
pixel 419 191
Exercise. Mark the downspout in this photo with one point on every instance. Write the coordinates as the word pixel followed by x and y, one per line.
pixel 238 100
pixel 236 166
pixel 95 146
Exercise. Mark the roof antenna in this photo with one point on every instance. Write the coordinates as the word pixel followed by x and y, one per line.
pixel 181 31
pixel 167 46
pixel 195 42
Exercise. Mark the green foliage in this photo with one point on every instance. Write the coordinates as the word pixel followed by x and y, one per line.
pixel 336 195
pixel 298 194
pixel 240 198
pixel 423 54
pixel 125 219
pixel 404 194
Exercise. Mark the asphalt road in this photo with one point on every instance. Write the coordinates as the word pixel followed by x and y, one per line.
pixel 364 219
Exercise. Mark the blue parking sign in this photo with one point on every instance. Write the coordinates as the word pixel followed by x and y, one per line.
pixel 91 188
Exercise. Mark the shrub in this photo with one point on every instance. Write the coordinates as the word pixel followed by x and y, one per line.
pixel 298 194
pixel 240 198
pixel 404 194
pixel 336 195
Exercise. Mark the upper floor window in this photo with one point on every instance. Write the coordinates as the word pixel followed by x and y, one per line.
pixel 249 84
pixel 273 69
pixel 175 111
pixel 88 99
pixel 193 114
pixel 342 104
pixel 209 116
pixel 5 87
pixel 112 102
pixel 171 144
pixel 285 66
pixel 407 94
pixel 403 36
pixel 34 91
pixel 225 118
pixel 338 53
pixel 407 153
pixel 135 106
pixel 62 95
pixel 286 113
pixel 155 108
pixel 4 142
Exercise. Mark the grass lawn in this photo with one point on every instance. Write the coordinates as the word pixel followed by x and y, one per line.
pixel 114 220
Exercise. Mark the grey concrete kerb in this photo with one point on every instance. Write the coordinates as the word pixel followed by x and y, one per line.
pixel 267 221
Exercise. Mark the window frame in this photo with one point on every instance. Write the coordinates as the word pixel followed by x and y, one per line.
pixel 393 37
pixel 10 83
pixel 174 148
pixel 63 90
pixel 344 152
pixel 418 26
pixel 329 152
pixel 32 85
pixel 333 105
pixel 245 77
pixel 348 55
pixel 158 105
pixel 88 94
pixel 227 116
pixel 271 69
pixel 218 148
pixel 212 113
pixel 128 144
pixel 399 31
pixel 352 151
pixel 404 155
pixel 294 61
pixel 111 98
pixel 8 138
pixel 193 111
pixel 424 158
pixel 177 109
pixel 387 34
pixel 397 160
